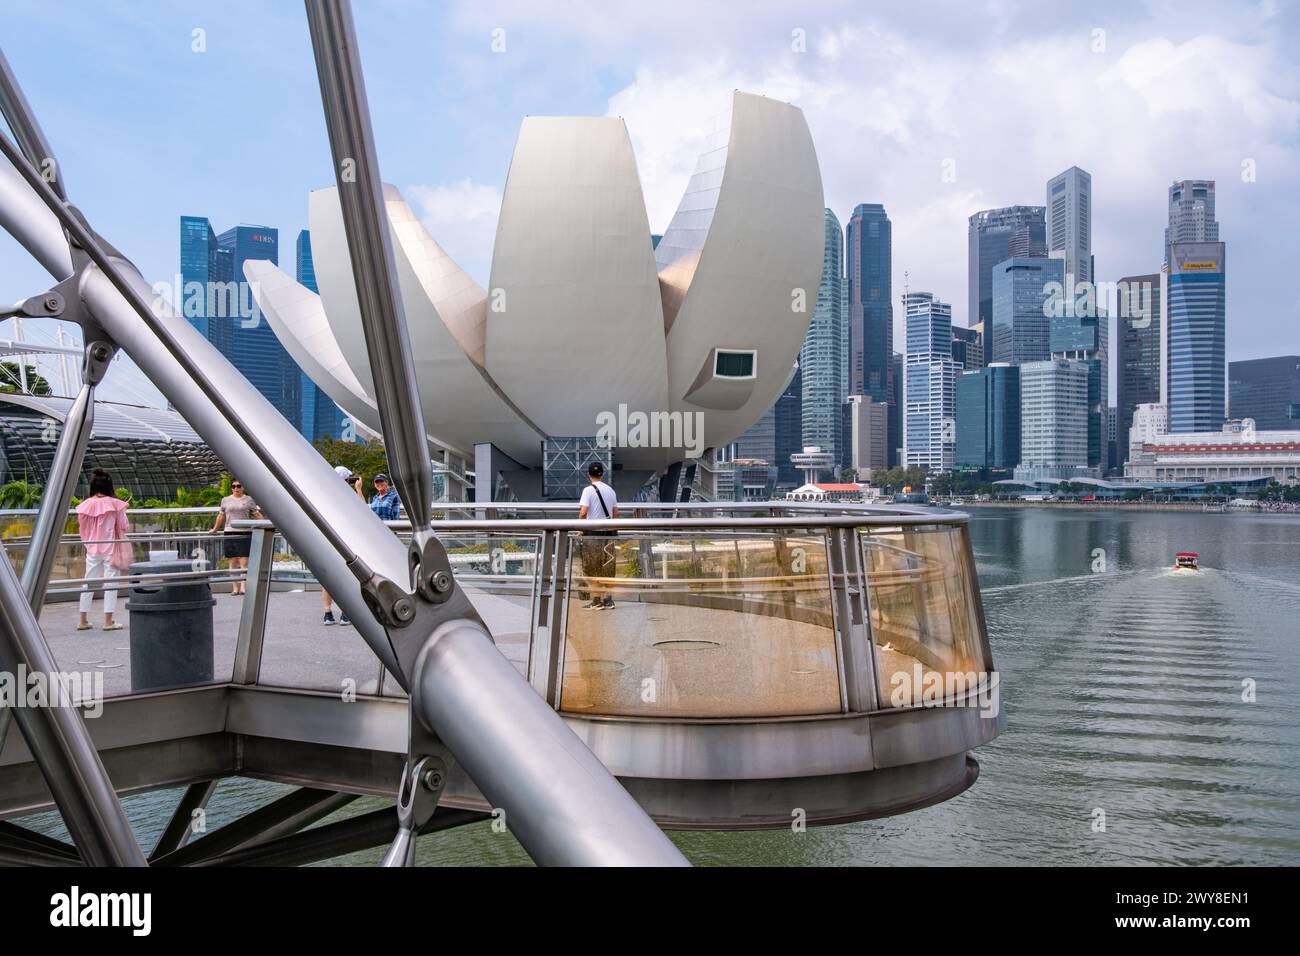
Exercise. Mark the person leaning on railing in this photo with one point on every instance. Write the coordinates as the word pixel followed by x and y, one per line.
pixel 353 482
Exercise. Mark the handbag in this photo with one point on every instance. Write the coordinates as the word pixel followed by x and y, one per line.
pixel 123 555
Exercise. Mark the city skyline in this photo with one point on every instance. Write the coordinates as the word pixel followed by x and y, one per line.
pixel 933 127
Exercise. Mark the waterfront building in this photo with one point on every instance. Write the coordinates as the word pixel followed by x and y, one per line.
pixel 930 382
pixel 1267 390
pixel 1054 422
pixel 788 427
pixel 1195 306
pixel 321 417
pixel 1150 420
pixel 1023 288
pixel 813 462
pixel 753 479
pixel 1069 222
pixel 827 492
pixel 823 361
pixel 988 418
pixel 1237 452
pixel 993 236
pixel 1138 360
pixel 868 261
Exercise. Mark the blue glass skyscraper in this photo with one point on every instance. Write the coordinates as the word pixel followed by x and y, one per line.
pixel 1197 332
pixel 869 258
pixel 217 301
pixel 988 418
pixel 1021 325
pixel 321 418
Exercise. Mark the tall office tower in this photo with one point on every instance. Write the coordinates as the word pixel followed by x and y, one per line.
pixel 224 310
pixel 1267 390
pixel 894 453
pixel 1069 222
pixel 1053 422
pixel 929 383
pixel 1083 339
pixel 1020 325
pixel 993 236
pixel 788 430
pixel 1112 438
pixel 868 259
pixel 1191 213
pixel 321 418
pixel 988 418
pixel 823 360
pixel 967 348
pixel 868 434
pixel 1138 361
pixel 1195 306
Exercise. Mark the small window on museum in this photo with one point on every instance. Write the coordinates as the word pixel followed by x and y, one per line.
pixel 734 365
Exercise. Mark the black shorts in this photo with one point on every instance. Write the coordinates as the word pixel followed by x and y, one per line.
pixel 236 545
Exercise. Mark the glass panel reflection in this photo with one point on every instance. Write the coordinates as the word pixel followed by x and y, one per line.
pixel 922 611
pixel 708 625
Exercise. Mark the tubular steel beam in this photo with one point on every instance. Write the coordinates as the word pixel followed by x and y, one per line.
pixel 53 516
pixel 559 800
pixel 181 824
pixel 288 814
pixel 383 319
pixel 16 841
pixel 362 832
pixel 26 130
pixel 60 743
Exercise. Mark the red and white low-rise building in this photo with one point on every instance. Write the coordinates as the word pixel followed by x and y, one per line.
pixel 1238 452
pixel 817 491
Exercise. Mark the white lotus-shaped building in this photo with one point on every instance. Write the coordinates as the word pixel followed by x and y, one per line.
pixel 583 315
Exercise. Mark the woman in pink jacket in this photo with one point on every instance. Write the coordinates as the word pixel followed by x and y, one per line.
pixel 101 522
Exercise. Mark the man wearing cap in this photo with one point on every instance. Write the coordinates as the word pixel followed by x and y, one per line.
pixel 385 503
pixel 353 482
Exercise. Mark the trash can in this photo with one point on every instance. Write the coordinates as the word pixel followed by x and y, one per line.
pixel 171 628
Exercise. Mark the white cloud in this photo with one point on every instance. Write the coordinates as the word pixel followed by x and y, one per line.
pixel 462 217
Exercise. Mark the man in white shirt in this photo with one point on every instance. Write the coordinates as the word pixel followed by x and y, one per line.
pixel 598 503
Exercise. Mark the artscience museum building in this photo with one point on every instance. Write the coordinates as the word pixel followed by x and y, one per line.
pixel 590 341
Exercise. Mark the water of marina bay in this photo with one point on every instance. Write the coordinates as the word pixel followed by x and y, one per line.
pixel 1123 691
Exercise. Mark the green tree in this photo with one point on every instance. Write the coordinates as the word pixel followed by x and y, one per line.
pixel 365 459
pixel 11 379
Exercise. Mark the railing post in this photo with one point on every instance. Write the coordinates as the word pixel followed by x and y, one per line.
pixel 252 615
pixel 848 591
pixel 544 655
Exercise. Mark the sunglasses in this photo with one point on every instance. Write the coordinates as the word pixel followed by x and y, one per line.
pixel 236 485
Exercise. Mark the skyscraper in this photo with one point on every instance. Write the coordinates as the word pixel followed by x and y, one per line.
pixel 993 236
pixel 1138 360
pixel 988 418
pixel 930 376
pixel 967 348
pixel 868 434
pixel 1069 222
pixel 219 303
pixel 1267 390
pixel 1021 328
pixel 894 453
pixel 869 258
pixel 823 362
pixel 321 418
pixel 788 428
pixel 1191 213
pixel 1083 339
pixel 1053 421
pixel 1197 328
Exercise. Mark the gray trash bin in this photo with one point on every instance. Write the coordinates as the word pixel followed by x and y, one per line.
pixel 171 628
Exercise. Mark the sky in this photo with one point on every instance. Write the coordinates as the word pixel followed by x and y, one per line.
pixel 163 109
